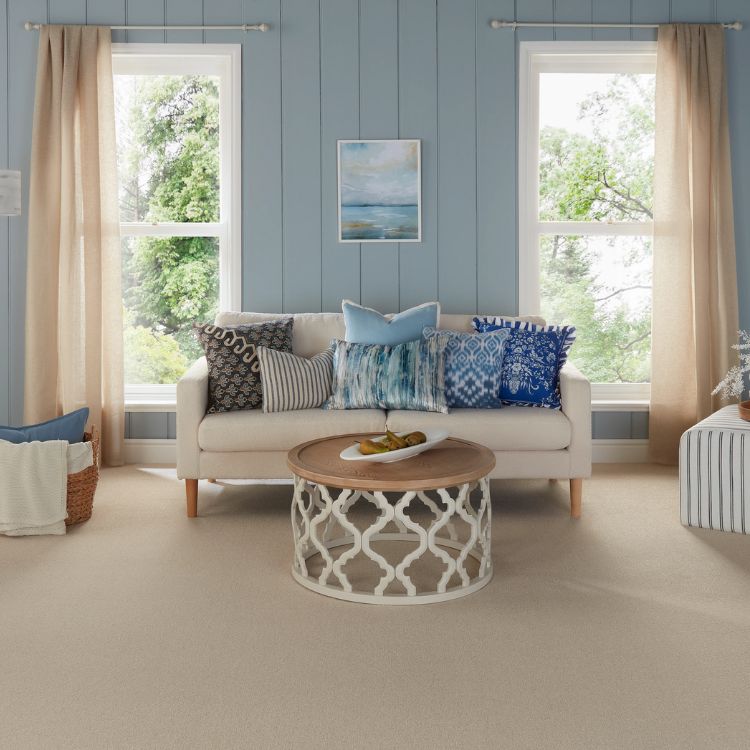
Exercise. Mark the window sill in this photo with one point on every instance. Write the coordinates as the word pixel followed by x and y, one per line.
pixel 150 405
pixel 627 404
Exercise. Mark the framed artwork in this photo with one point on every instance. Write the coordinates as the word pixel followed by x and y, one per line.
pixel 380 191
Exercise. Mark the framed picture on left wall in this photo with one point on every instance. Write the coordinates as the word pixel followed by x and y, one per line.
pixel 379 191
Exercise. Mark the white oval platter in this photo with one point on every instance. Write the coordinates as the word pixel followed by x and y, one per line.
pixel 433 438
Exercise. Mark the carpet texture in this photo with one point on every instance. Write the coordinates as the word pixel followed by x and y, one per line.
pixel 143 629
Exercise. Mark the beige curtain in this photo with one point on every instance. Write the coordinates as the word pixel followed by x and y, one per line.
pixel 695 317
pixel 73 295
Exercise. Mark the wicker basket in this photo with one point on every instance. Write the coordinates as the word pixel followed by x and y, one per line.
pixel 81 486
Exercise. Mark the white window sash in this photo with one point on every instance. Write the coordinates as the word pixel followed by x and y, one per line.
pixel 224 61
pixel 567 57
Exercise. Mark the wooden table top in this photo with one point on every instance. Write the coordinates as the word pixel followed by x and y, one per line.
pixel 450 463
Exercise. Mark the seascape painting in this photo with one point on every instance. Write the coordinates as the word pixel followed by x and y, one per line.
pixel 380 191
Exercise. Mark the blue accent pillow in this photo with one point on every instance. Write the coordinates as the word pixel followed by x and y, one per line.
pixel 406 376
pixel 473 367
pixel 69 427
pixel 534 356
pixel 367 326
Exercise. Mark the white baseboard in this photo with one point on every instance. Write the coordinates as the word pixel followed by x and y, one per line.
pixel 620 451
pixel 142 451
pixel 604 451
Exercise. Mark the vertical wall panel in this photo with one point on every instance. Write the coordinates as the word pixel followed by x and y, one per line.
pixel 261 161
pixel 496 148
pixel 339 103
pixel 574 11
pixel 4 227
pixel 417 88
pixel 611 11
pixel 535 10
pixel 145 12
pixel 648 11
pixel 693 11
pixel 457 175
pixel 188 13
pixel 107 12
pixel 300 102
pixel 67 11
pixel 378 75
pixel 22 50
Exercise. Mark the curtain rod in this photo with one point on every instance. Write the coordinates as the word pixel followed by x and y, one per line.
pixel 30 26
pixel 496 23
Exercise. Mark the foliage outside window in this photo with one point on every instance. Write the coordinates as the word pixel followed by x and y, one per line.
pixel 590 220
pixel 172 167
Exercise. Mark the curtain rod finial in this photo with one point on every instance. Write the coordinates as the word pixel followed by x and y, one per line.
pixel 497 23
pixel 737 26
pixel 29 26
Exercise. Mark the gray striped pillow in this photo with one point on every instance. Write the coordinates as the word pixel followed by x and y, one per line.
pixel 292 382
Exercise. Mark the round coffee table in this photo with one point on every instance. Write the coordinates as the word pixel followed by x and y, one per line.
pixel 451 481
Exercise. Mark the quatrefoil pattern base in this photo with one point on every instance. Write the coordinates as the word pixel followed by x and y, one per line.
pixel 338 533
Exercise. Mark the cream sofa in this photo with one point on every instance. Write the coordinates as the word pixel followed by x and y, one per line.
pixel 527 442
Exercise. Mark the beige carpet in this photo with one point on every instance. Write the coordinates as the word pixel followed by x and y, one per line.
pixel 143 629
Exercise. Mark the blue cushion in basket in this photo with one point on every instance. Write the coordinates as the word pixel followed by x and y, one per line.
pixel 68 427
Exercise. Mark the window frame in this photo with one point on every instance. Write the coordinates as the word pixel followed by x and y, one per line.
pixel 224 61
pixel 567 57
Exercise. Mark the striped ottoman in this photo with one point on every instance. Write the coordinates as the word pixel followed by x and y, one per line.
pixel 715 473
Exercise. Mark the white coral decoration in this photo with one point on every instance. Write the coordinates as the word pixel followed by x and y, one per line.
pixel 733 384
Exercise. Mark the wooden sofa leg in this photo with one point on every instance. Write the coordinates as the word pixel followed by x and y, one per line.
pixel 191 490
pixel 212 481
pixel 576 495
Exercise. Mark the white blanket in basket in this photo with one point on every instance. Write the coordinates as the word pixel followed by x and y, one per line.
pixel 34 484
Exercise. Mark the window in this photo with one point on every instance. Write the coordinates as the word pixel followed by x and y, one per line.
pixel 178 155
pixel 586 157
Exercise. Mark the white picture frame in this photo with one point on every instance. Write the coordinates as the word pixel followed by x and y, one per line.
pixel 379 196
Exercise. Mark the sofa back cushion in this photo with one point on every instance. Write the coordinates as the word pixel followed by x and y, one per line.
pixel 313 332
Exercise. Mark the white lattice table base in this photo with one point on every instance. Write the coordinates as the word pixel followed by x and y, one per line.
pixel 320 523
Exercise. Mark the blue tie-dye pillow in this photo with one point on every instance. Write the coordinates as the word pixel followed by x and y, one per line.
pixel 473 367
pixel 533 358
pixel 406 376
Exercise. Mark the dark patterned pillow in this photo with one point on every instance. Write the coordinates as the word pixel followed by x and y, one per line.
pixel 233 368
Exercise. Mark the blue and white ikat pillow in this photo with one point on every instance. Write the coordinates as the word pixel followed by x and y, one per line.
pixel 473 367
pixel 534 356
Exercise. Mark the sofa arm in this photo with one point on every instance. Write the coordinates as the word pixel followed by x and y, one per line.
pixel 192 400
pixel 575 396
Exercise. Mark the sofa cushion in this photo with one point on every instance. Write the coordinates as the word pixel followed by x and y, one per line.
pixel 367 326
pixel 534 356
pixel 473 367
pixel 281 431
pixel 291 382
pixel 512 428
pixel 404 376
pixel 233 369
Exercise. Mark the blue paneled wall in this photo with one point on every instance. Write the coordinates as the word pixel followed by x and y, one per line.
pixel 429 69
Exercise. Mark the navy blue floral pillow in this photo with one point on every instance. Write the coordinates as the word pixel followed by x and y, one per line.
pixel 533 358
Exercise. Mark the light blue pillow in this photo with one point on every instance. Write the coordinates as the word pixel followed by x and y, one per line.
pixel 367 326
pixel 534 356
pixel 406 376
pixel 69 427
pixel 473 367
